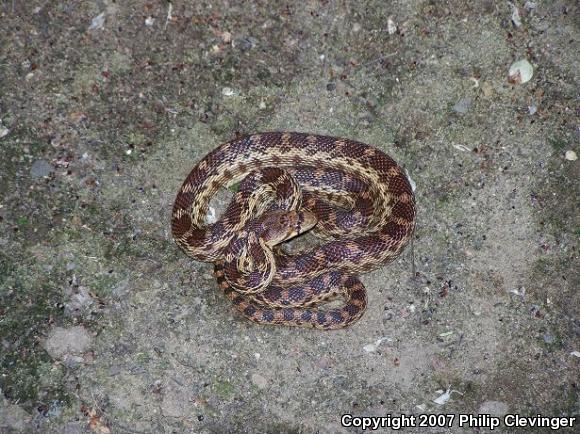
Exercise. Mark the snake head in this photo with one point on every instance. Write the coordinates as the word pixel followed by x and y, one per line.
pixel 279 226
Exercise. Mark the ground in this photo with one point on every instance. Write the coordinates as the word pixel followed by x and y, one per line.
pixel 106 326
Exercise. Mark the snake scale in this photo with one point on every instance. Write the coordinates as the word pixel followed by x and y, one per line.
pixel 352 195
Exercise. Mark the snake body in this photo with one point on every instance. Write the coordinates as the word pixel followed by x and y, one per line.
pixel 358 197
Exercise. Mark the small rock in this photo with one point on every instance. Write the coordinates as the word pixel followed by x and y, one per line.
pixel 80 301
pixel 63 341
pixel 493 408
pixel 443 398
pixel 98 22
pixel 391 26
pixel 40 169
pixel 371 348
pixel 487 89
pixel 515 15
pixel 227 91
pixel 13 417
pixel 571 156
pixel 226 36
pixel 246 43
pixel 462 106
pixel 529 6
pixel 149 21
pixel 259 381
pixel 520 72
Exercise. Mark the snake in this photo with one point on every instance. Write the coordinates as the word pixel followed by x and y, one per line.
pixel 354 197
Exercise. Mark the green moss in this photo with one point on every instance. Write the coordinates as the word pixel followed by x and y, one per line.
pixel 28 305
pixel 22 221
pixel 142 359
pixel 557 143
pixel 224 389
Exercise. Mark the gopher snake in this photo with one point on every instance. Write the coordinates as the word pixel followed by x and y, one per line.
pixel 359 199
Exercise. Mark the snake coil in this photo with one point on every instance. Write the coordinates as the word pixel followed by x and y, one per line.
pixel 350 193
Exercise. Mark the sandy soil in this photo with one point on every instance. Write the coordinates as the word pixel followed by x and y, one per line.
pixel 106 326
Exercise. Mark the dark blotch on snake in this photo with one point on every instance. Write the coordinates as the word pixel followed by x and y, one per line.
pixel 288 314
pixel 351 309
pixel 272 293
pixel 336 316
pixel 250 310
pixel 237 300
pixel 296 293
pixel 304 262
pixel 268 315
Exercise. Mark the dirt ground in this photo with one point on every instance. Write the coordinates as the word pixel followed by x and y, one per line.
pixel 106 326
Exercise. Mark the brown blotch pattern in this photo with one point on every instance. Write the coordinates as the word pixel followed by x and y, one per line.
pixel 382 197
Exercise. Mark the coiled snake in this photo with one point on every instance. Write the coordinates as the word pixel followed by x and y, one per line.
pixel 351 194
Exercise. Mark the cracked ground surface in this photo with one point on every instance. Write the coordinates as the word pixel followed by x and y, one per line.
pixel 105 326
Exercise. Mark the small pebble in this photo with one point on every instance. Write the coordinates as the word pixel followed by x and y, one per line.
pixel 40 169
pixel 462 106
pixel 149 21
pixel 98 22
pixel 571 156
pixel 391 26
pixel 246 43
pixel 529 6
pixel 516 15
pixel 548 338
pixel 67 341
pixel 259 381
pixel 487 89
pixel 520 72
pixel 227 91
pixel 226 37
